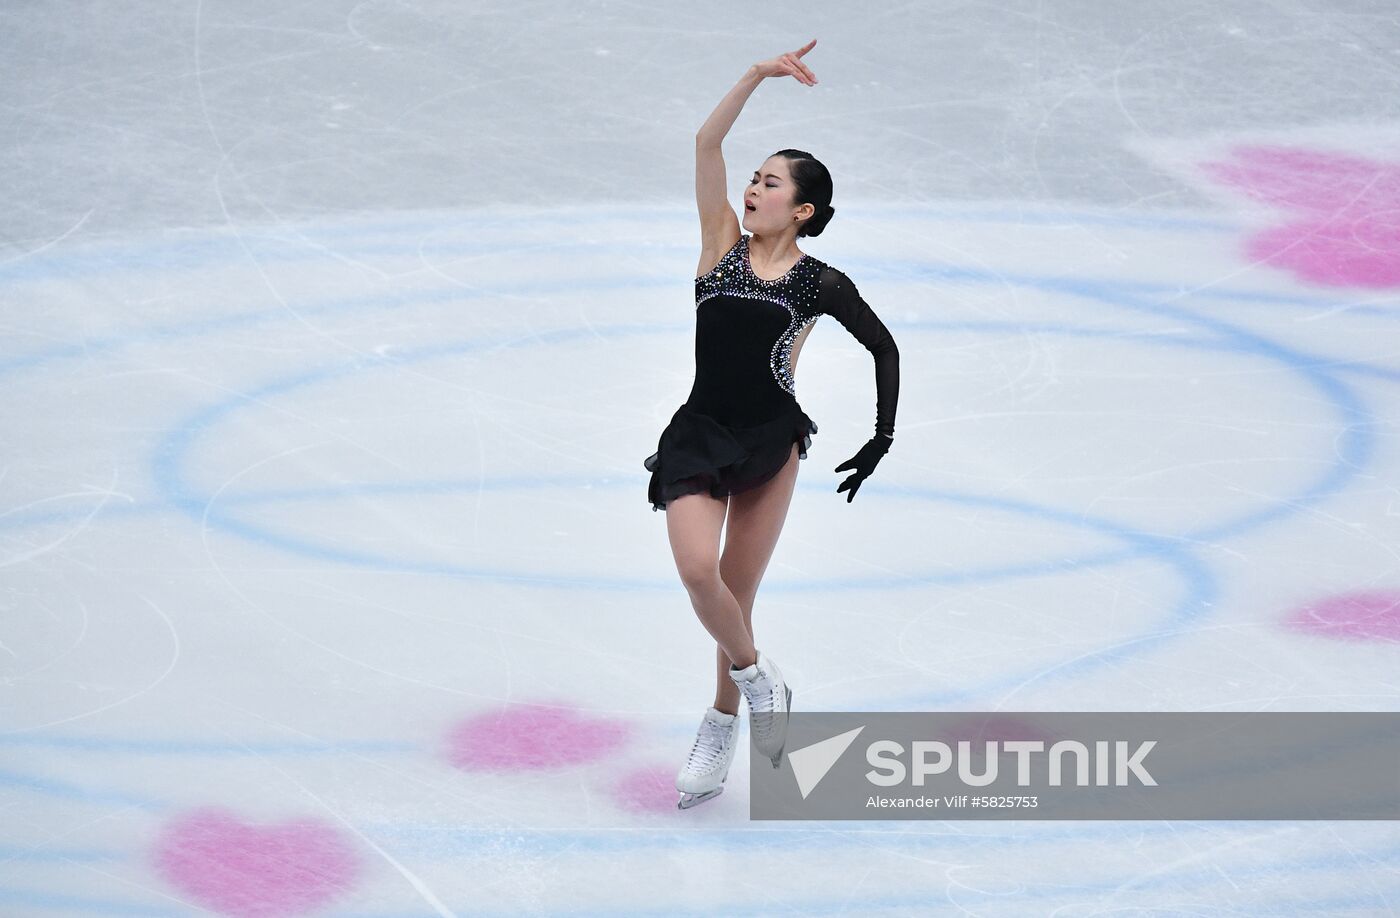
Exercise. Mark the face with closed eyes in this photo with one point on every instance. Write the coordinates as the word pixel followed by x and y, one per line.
pixel 768 201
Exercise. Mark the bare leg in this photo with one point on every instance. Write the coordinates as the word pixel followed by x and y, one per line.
pixel 693 523
pixel 755 520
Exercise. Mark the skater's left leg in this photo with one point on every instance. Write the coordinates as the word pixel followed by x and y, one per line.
pixel 751 533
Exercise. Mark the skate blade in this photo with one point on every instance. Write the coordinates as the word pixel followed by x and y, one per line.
pixel 777 757
pixel 689 800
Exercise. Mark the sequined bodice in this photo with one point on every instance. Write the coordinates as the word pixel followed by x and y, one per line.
pixel 745 328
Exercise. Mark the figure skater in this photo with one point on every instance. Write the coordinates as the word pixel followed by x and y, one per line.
pixel 734 445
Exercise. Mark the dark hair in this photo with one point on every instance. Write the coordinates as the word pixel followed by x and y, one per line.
pixel 813 186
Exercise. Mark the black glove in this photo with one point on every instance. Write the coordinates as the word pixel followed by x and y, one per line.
pixel 864 463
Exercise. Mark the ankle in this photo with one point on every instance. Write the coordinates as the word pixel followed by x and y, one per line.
pixel 735 666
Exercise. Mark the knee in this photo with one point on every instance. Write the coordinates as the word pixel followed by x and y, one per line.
pixel 700 575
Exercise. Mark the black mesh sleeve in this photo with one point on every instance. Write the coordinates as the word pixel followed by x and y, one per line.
pixel 839 298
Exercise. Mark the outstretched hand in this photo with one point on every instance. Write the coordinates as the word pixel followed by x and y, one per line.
pixel 789 65
pixel 864 462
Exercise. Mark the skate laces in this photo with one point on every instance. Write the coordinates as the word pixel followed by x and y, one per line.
pixel 709 746
pixel 760 695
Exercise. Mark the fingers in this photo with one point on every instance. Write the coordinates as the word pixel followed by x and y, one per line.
pixel 800 70
pixel 805 69
pixel 853 483
pixel 792 70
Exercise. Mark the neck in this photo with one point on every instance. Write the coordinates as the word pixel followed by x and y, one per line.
pixel 769 251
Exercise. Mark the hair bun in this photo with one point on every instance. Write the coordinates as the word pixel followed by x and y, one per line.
pixel 817 222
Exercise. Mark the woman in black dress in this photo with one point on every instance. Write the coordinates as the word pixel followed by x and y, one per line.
pixel 733 447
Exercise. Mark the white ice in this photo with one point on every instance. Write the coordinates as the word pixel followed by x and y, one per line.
pixel 335 335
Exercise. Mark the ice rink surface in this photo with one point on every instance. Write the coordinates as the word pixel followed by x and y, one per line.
pixel 335 335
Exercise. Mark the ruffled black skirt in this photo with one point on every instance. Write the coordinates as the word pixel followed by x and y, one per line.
pixel 697 454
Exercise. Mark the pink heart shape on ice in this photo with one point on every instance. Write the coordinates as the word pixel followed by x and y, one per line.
pixel 1345 224
pixel 530 736
pixel 254 871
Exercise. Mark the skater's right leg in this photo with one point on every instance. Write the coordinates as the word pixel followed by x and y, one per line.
pixel 754 522
pixel 693 524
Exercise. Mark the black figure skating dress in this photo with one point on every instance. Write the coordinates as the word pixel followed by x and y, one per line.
pixel 736 429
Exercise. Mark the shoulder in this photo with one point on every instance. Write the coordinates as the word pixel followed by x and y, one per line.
pixel 831 281
pixel 729 260
pixel 826 273
pixel 836 294
pixel 740 245
pixel 806 284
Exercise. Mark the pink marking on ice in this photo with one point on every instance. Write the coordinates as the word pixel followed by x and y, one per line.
pixel 252 871
pixel 1364 615
pixel 532 736
pixel 648 790
pixel 1346 226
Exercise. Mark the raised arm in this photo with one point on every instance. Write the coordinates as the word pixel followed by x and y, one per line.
pixel 719 225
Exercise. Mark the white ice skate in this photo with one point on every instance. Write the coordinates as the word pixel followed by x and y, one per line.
pixel 704 772
pixel 769 699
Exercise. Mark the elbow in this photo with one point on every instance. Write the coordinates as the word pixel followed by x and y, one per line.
pixel 884 353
